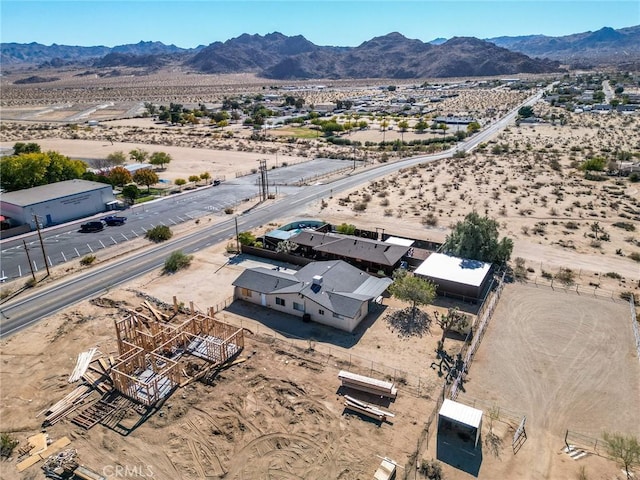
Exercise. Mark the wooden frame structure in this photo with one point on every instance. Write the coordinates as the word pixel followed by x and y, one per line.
pixel 147 368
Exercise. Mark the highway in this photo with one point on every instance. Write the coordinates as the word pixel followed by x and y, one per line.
pixel 40 302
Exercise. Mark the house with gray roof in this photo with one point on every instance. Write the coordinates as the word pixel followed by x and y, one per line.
pixel 333 293
pixel 362 252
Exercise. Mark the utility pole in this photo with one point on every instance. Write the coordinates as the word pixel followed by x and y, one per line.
pixel 26 249
pixel 264 181
pixel 237 235
pixel 44 255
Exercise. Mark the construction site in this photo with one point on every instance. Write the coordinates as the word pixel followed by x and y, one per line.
pixel 171 392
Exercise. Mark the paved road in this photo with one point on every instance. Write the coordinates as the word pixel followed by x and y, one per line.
pixel 65 242
pixel 32 306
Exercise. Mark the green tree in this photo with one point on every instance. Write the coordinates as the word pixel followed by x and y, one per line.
pixel 525 112
pixel 476 238
pixel 413 289
pixel 246 238
pixel 177 261
pixel 130 193
pixel 159 233
pixel 194 178
pixel 180 182
pixel 139 155
pixel 473 127
pixel 346 229
pixel 116 158
pixel 33 169
pixel 146 177
pixel 205 176
pixel 119 176
pixel 160 159
pixel 19 148
pixel 624 449
pixel 593 164
pixel 299 103
pixel 421 126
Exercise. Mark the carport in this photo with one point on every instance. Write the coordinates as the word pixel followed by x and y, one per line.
pixel 460 418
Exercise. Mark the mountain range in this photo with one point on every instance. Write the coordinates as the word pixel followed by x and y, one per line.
pixel 278 56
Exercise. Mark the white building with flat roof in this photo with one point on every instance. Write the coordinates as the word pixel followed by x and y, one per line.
pixel 57 202
pixel 456 276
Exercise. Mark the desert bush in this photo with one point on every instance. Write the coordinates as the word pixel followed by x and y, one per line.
pixel 635 256
pixel 346 229
pixel 547 275
pixel 30 283
pixel 565 276
pixel 228 210
pixel 88 260
pixel 571 225
pixel 360 207
pixel 627 226
pixel 384 202
pixel 432 470
pixel 7 444
pixel 177 261
pixel 159 233
pixel 520 270
pixel 615 275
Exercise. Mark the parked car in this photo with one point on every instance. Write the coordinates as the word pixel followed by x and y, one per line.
pixel 113 220
pixel 95 226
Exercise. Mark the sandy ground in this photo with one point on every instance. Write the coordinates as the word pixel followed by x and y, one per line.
pixel 565 361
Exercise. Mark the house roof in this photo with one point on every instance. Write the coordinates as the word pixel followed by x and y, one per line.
pixel 343 288
pixel 454 269
pixel 44 193
pixel 461 413
pixel 349 246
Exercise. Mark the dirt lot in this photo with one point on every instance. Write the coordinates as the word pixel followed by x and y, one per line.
pixel 566 361
pixel 273 416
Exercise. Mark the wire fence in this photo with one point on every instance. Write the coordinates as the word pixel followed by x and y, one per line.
pixel 486 311
pixel 575 288
pixel 634 324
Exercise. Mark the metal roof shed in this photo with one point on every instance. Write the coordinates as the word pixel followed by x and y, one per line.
pixel 455 275
pixel 461 415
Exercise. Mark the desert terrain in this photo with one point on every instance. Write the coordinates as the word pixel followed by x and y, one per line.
pixel 277 413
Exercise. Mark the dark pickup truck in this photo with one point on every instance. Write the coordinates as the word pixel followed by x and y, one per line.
pixel 92 226
pixel 113 220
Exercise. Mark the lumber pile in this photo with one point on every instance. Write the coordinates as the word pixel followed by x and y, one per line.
pixel 367 409
pixel 367 384
pixel 84 359
pixel 50 450
pixel 62 408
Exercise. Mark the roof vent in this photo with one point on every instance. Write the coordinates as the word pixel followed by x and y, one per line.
pixel 317 279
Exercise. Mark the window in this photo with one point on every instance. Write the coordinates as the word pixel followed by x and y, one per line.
pixel 298 306
pixel 245 292
pixel 321 312
pixel 280 301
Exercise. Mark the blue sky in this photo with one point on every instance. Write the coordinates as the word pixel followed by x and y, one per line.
pixel 324 22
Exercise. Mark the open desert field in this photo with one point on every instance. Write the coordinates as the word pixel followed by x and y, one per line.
pixel 567 362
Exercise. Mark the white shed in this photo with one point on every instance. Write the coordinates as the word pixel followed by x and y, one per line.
pixel 455 275
pixel 457 416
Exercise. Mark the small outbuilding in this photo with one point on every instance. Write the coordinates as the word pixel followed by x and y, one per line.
pixel 456 276
pixel 459 418
pixel 57 202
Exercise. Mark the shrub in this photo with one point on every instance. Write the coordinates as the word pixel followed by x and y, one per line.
pixel 571 225
pixel 88 260
pixel 546 275
pixel 346 229
pixel 228 210
pixel 629 227
pixel 430 220
pixel 7 444
pixel 177 261
pixel 635 256
pixel 565 276
pixel 159 234
pixel 634 177
pixel 615 275
pixel 360 207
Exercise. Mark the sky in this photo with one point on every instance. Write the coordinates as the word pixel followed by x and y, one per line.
pixel 188 24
